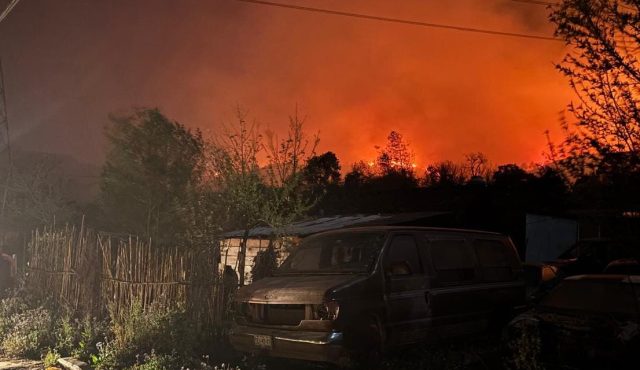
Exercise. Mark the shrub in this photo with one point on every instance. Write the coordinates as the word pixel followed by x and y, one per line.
pixel 9 309
pixel 29 329
pixel 30 334
pixel 156 361
pixel 265 263
pixel 65 335
pixel 157 330
pixel 105 358
pixel 77 337
pixel 51 358
pixel 90 331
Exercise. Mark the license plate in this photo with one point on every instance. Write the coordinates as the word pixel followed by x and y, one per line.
pixel 263 341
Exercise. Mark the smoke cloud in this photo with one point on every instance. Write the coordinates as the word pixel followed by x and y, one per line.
pixel 68 64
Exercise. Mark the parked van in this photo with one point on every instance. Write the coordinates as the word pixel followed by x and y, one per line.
pixel 354 293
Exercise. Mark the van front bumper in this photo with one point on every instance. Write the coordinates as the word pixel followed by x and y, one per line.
pixel 294 344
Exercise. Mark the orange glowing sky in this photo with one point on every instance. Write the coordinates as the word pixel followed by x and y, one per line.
pixel 68 63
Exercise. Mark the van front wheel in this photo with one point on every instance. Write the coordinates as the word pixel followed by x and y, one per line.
pixel 367 346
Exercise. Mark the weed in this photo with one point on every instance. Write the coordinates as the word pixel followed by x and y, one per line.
pixel 90 331
pixel 51 358
pixel 156 361
pixel 64 333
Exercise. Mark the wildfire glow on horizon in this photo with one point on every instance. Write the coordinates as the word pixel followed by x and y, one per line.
pixel 448 92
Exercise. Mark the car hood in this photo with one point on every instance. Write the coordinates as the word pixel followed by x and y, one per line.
pixel 293 289
pixel 565 322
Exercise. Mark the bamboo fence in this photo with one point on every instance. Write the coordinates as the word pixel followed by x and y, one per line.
pixel 54 262
pixel 92 273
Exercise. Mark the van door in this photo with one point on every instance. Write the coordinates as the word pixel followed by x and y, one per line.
pixel 454 287
pixel 404 291
pixel 501 271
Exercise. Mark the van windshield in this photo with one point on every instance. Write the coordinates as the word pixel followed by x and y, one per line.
pixel 335 253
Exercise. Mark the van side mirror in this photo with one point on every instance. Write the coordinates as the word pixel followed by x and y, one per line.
pixel 399 268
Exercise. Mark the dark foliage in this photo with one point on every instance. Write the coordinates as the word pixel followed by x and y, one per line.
pixel 265 263
pixel 603 69
pixel 322 170
pixel 152 165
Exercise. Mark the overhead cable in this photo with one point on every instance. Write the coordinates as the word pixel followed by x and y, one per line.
pixel 402 21
pixel 8 9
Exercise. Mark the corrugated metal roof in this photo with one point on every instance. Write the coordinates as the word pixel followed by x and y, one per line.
pixel 317 225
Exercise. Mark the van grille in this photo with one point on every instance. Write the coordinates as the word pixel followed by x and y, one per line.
pixel 276 314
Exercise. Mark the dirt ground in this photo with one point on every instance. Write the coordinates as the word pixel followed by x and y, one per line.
pixel 8 364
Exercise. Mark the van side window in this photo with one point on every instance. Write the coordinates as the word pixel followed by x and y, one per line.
pixel 453 261
pixel 403 248
pixel 495 258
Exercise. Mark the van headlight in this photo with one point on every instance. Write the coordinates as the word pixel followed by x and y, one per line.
pixel 328 310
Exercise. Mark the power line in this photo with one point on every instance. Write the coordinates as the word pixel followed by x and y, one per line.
pixel 4 121
pixel 402 21
pixel 8 9
pixel 548 3
pixel 536 2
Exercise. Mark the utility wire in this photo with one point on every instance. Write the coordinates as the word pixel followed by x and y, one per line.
pixel 548 3
pixel 402 21
pixel 536 2
pixel 8 9
pixel 5 123
pixel 5 118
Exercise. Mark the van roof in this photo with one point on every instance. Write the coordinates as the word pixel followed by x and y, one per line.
pixel 327 223
pixel 412 228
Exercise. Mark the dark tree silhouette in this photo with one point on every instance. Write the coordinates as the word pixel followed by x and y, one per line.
pixel 510 176
pixel 477 165
pixel 250 197
pixel 151 168
pixel 322 170
pixel 604 71
pixel 395 156
pixel 360 174
pixel 444 174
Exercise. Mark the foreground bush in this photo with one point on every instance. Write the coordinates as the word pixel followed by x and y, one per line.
pixel 154 361
pixel 155 338
pixel 31 333
pixel 77 337
pixel 32 328
pixel 162 332
pixel 9 310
